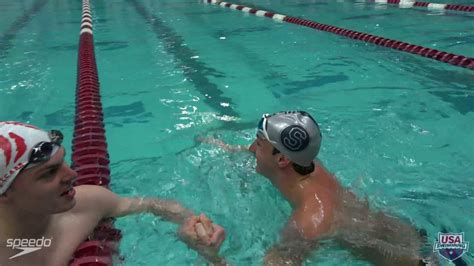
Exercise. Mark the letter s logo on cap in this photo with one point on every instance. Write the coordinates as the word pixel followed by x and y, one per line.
pixel 295 138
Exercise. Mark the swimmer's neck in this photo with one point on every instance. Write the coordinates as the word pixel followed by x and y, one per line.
pixel 292 186
pixel 21 224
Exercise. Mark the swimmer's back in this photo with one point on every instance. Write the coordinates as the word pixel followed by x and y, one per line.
pixel 376 236
pixel 372 235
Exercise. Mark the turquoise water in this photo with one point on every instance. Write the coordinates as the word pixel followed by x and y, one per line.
pixel 397 128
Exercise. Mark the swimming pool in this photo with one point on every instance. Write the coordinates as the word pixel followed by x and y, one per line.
pixel 396 127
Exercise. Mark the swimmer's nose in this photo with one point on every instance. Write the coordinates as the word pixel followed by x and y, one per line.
pixel 253 147
pixel 70 175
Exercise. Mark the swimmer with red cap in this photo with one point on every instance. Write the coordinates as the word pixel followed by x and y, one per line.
pixel 38 202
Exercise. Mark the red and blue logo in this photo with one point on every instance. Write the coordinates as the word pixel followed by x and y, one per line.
pixel 451 246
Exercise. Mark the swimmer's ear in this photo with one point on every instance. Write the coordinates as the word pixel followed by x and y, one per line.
pixel 4 198
pixel 282 161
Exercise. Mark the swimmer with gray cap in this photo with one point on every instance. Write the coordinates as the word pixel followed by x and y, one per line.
pixel 294 134
pixel 286 147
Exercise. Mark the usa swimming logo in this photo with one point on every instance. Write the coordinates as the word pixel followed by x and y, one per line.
pixel 451 246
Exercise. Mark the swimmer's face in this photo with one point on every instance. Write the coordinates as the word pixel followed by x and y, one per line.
pixel 266 164
pixel 42 189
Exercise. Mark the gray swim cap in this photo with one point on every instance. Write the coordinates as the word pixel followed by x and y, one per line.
pixel 294 133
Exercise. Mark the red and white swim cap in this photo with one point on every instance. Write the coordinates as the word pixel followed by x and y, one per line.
pixel 16 142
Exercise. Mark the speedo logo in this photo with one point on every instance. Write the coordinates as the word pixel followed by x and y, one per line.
pixel 27 245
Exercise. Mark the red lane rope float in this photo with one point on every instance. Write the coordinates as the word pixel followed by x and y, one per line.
pixel 428 5
pixel 453 59
pixel 90 158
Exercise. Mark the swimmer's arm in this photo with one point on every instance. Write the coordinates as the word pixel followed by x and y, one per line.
pixel 97 203
pixel 174 212
pixel 288 253
pixel 298 239
pixel 169 210
pixel 103 203
pixel 223 145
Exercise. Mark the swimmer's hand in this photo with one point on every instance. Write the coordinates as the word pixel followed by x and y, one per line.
pixel 200 234
pixel 223 145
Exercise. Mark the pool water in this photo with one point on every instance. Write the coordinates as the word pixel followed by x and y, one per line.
pixel 397 128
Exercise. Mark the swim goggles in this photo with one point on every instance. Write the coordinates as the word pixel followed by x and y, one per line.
pixel 42 151
pixel 262 127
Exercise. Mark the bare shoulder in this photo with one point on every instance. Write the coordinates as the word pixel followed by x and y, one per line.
pixel 85 190
pixel 310 223
pixel 90 197
pixel 70 228
pixel 89 192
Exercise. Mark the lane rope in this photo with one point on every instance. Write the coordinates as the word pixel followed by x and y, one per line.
pixel 90 158
pixel 450 58
pixel 427 5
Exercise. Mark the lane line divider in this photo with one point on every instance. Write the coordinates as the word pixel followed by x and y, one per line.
pixel 90 157
pixel 7 36
pixel 427 5
pixel 450 58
